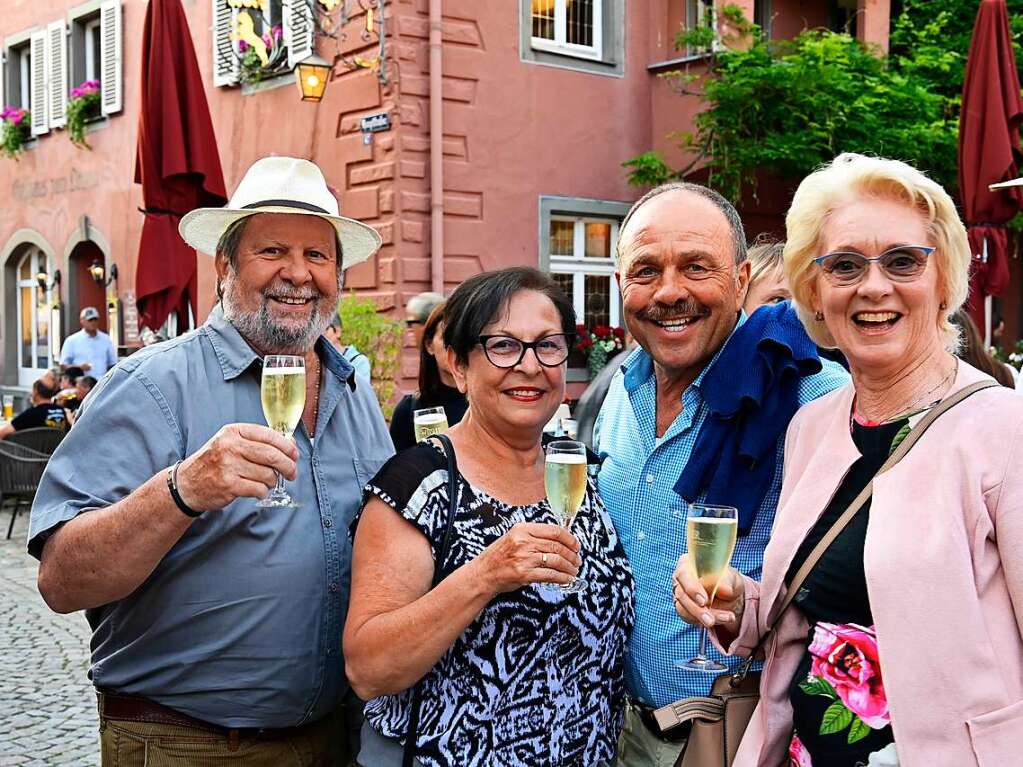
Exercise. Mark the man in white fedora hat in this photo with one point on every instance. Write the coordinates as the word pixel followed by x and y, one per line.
pixel 217 621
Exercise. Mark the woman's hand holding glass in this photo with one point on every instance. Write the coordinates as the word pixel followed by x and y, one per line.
pixel 530 552
pixel 691 598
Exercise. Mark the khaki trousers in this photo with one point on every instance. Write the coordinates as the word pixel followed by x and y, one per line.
pixel 142 744
pixel 638 747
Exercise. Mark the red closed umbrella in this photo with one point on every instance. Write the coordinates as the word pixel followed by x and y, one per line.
pixel 989 151
pixel 176 163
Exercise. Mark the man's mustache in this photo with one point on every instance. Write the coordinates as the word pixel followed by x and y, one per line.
pixel 686 307
pixel 283 290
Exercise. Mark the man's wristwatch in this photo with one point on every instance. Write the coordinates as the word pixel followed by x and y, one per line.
pixel 172 485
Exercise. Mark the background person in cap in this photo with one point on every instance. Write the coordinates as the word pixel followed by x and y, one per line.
pixel 217 624
pixel 89 348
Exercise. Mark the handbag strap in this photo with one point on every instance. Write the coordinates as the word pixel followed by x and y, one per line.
pixel 409 754
pixel 842 522
pixel 712 708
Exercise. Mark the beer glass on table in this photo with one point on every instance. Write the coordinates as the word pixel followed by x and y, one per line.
pixel 564 478
pixel 428 421
pixel 282 393
pixel 8 407
pixel 710 535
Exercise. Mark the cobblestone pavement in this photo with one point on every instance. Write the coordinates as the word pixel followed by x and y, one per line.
pixel 49 707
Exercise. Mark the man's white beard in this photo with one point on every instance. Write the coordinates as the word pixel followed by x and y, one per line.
pixel 268 336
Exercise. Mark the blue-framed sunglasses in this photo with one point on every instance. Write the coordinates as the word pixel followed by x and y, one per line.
pixel 900 264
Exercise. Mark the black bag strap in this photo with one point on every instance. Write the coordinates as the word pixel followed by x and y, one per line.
pixel 409 754
pixel 847 516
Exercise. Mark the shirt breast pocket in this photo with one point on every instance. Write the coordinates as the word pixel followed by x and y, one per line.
pixel 366 468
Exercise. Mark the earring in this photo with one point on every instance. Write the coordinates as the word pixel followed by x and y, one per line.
pixel 819 316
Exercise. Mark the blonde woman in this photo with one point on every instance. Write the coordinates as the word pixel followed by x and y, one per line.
pixel 767 282
pixel 903 645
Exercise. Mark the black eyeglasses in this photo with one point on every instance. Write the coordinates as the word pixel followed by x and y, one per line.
pixel 508 351
pixel 902 264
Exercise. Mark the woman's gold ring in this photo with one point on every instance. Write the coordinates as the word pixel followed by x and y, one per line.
pixel 543 559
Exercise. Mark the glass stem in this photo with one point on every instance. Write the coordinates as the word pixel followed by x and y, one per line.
pixel 703 644
pixel 279 487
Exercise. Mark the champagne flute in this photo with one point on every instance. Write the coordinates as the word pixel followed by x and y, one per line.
pixel 710 535
pixel 282 393
pixel 428 421
pixel 564 477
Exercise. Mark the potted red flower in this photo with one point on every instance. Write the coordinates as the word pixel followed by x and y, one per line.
pixel 598 345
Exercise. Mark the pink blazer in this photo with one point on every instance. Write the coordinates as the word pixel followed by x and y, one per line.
pixel 944 567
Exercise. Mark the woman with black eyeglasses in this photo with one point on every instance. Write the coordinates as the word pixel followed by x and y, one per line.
pixel 508 672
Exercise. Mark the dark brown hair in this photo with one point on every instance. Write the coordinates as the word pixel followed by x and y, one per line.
pixel 430 385
pixel 478 301
pixel 973 351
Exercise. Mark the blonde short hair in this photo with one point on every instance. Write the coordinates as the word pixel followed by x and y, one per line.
pixel 850 176
pixel 765 255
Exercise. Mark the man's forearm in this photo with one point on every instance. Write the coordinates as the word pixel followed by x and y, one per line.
pixel 102 556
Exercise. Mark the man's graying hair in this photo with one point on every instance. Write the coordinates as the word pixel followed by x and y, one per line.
pixel 231 239
pixel 730 213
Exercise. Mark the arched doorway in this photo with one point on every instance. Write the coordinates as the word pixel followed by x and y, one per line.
pixel 83 290
pixel 37 314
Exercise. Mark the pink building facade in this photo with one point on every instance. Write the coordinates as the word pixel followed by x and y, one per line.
pixel 535 105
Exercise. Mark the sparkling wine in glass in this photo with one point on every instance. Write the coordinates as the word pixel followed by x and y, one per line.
pixel 282 393
pixel 428 421
pixel 710 533
pixel 565 480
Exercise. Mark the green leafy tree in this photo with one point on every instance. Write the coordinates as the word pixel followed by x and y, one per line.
pixel 378 337
pixel 789 106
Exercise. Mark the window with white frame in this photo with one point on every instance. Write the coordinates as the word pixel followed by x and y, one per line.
pixel 572 27
pixel 582 263
pixel 260 41
pixel 18 76
pixel 95 52
pixel 87 48
pixel 700 14
pixel 35 310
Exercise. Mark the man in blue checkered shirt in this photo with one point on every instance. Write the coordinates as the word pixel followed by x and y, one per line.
pixel 683 274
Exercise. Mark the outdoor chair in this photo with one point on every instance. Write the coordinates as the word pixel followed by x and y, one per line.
pixel 43 439
pixel 20 471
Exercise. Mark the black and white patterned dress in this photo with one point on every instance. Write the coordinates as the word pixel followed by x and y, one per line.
pixel 538 678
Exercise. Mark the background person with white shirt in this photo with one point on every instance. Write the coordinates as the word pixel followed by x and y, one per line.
pixel 90 348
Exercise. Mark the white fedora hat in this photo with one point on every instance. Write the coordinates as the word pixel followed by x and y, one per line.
pixel 281 185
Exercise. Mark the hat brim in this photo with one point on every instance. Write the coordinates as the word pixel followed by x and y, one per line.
pixel 202 228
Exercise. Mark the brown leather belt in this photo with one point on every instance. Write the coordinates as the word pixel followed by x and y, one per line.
pixel 646 715
pixel 132 709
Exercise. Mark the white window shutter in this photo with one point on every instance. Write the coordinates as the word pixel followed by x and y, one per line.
pixel 226 67
pixel 40 83
pixel 57 39
pixel 299 24
pixel 110 57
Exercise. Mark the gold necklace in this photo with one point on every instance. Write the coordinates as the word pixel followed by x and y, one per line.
pixel 905 410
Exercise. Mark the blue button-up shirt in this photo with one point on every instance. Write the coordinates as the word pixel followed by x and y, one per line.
pixel 636 482
pixel 240 623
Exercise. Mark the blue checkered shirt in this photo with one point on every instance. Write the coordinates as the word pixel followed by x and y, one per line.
pixel 636 482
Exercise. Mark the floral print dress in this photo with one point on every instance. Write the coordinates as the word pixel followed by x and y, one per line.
pixel 840 711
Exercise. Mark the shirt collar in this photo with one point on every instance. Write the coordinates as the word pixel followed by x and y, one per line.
pixel 639 366
pixel 236 356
